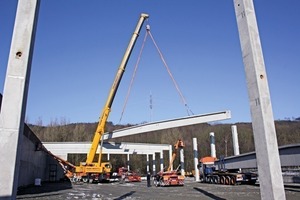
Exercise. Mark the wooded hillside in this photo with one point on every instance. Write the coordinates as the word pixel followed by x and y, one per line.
pixel 288 132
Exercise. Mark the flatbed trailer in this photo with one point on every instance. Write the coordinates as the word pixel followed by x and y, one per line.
pixel 209 174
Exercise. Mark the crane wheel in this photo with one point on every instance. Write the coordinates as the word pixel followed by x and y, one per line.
pixel 215 180
pixel 227 180
pixel 222 180
pixel 208 180
pixel 232 180
pixel 85 179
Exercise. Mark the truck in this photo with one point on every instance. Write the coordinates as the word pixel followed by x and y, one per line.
pixel 171 177
pixel 210 173
pixel 126 175
pixel 99 171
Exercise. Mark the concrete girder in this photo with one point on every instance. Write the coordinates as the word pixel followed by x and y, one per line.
pixel 172 123
pixel 64 148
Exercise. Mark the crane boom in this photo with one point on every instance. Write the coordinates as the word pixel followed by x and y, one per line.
pixel 106 110
pixel 89 166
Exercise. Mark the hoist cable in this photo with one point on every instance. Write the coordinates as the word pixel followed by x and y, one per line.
pixel 176 85
pixel 133 76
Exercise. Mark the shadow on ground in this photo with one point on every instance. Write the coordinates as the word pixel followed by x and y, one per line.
pixel 125 195
pixel 208 194
pixel 45 188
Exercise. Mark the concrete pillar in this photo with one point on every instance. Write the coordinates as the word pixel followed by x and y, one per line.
pixel 170 156
pixel 15 92
pixel 148 170
pixel 266 147
pixel 153 164
pixel 108 157
pixel 212 144
pixel 128 161
pixel 235 140
pixel 181 152
pixel 161 161
pixel 196 161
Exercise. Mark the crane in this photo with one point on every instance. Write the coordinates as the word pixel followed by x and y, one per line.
pixel 178 144
pixel 100 171
pixel 170 177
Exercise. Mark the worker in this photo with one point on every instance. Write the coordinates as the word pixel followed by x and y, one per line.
pixel 123 178
pixel 148 180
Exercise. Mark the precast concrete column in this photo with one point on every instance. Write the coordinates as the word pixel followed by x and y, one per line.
pixel 128 161
pixel 148 170
pixel 181 152
pixel 153 164
pixel 212 144
pixel 266 147
pixel 161 161
pixel 170 156
pixel 235 140
pixel 15 96
pixel 196 161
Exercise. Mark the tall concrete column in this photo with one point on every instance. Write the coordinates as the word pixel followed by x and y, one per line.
pixel 196 161
pixel 170 156
pixel 161 161
pixel 266 147
pixel 153 164
pixel 181 152
pixel 212 145
pixel 235 140
pixel 15 96
pixel 128 161
pixel 148 170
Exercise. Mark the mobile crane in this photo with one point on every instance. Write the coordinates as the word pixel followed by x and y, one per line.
pixel 170 177
pixel 91 171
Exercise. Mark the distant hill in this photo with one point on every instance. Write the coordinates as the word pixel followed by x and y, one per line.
pixel 288 132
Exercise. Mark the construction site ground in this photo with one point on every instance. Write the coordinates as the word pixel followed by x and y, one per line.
pixel 139 190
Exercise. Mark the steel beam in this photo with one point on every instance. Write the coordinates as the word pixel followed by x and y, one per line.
pixel 173 123
pixel 15 96
pixel 271 182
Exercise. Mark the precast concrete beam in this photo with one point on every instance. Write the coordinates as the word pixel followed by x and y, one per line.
pixel 15 96
pixel 271 181
pixel 172 123
pixel 64 148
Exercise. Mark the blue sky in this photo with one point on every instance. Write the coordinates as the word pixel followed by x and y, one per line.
pixel 79 45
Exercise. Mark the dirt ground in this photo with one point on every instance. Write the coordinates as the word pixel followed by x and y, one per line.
pixel 139 190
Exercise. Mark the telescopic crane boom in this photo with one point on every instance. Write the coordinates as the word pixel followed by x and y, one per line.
pixel 91 169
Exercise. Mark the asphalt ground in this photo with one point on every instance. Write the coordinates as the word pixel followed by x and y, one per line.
pixel 139 190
